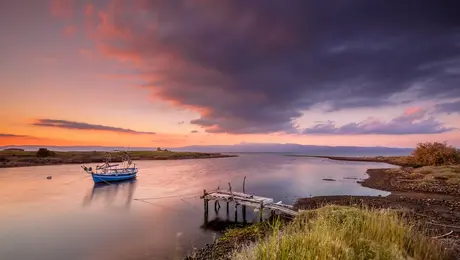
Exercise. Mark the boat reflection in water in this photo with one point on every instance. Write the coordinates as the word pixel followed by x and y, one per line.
pixel 117 195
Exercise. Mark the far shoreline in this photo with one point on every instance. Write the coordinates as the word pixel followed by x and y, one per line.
pixel 393 160
pixel 14 159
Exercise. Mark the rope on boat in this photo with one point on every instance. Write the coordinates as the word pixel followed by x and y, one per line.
pixel 190 204
pixel 169 197
pixel 158 205
pixel 169 208
pixel 70 182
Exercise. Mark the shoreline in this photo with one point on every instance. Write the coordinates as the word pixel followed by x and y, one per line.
pixel 432 208
pixel 402 161
pixel 16 159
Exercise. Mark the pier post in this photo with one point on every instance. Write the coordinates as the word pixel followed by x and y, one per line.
pixel 243 210
pixel 216 207
pixel 205 201
pixel 227 211
pixel 236 212
pixel 206 214
pixel 261 211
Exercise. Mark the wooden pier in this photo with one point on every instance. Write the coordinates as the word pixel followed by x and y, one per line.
pixel 241 198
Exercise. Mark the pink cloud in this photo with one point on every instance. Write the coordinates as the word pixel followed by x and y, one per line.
pixel 413 110
pixel 62 8
pixel 89 10
pixel 70 31
pixel 411 121
pixel 88 54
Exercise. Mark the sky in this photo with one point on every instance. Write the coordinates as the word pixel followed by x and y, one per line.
pixel 173 73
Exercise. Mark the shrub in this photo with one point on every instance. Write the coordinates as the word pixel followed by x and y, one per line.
pixel 436 154
pixel 43 152
pixel 159 149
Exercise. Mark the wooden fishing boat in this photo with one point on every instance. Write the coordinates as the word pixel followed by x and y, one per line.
pixel 108 172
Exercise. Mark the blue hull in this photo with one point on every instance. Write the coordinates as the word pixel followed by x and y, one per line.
pixel 98 178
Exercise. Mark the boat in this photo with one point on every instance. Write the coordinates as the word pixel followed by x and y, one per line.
pixel 107 172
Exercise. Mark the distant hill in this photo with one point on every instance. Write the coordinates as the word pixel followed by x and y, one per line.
pixel 299 149
pixel 248 148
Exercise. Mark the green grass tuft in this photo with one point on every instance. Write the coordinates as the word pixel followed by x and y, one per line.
pixel 337 232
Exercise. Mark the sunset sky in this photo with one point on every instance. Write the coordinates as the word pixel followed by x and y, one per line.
pixel 173 73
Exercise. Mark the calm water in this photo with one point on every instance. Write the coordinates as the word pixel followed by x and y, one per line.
pixel 69 218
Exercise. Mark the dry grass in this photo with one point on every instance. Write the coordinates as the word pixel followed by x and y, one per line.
pixel 431 174
pixel 337 232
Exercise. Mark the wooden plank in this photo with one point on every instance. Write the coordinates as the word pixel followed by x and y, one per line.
pixel 239 195
pixel 249 200
pixel 282 209
pixel 229 198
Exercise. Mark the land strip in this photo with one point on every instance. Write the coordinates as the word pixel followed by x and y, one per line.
pixel 29 158
pixel 405 161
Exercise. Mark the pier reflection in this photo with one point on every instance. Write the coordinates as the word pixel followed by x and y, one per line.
pixel 218 224
pixel 231 217
pixel 118 194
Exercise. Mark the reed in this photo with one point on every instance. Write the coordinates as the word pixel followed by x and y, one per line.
pixel 337 232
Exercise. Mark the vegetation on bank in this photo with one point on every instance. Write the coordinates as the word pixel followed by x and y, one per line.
pixel 425 154
pixel 430 179
pixel 431 168
pixel 338 232
pixel 14 158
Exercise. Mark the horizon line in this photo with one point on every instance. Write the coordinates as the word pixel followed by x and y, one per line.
pixel 154 147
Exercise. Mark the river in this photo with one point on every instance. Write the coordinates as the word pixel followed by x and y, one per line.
pixel 67 217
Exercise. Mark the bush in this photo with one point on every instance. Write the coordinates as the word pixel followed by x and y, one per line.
pixel 43 152
pixel 435 154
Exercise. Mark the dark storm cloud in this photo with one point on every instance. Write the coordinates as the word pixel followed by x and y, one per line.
pixel 413 122
pixel 85 126
pixel 449 107
pixel 253 66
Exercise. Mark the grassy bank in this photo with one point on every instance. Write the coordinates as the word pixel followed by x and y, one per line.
pixel 30 158
pixel 430 179
pixel 337 232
